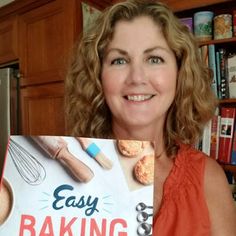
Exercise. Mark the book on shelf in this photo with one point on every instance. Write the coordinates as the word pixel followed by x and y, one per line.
pixel 209 143
pixel 227 122
pixel 234 23
pixel 230 177
pixel 233 153
pixel 205 54
pixel 215 128
pixel 206 138
pixel 231 63
pixel 223 68
pixel 208 58
pixel 212 66
pixel 218 74
pixel 107 194
pixel 224 85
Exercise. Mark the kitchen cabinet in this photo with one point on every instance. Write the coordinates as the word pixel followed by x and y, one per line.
pixel 47 34
pixel 40 36
pixel 45 40
pixel 8 40
pixel 42 109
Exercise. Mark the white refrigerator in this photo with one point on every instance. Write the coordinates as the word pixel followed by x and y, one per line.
pixel 9 108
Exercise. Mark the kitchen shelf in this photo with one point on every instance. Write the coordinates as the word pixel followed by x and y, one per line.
pixel 217 41
pixel 227 101
pixel 231 168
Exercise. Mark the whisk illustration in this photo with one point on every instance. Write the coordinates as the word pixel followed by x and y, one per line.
pixel 30 169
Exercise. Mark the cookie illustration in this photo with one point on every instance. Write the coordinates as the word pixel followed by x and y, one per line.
pixel 130 148
pixel 144 170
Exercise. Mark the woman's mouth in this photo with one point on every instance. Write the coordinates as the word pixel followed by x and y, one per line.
pixel 138 98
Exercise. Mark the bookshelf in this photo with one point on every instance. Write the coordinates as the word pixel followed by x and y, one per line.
pixel 229 44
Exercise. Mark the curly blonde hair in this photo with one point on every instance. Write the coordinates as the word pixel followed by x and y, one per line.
pixel 87 113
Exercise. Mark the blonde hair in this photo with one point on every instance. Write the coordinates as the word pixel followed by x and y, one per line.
pixel 86 110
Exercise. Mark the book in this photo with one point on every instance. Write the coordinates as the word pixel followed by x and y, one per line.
pixel 215 128
pixel 218 74
pixel 231 63
pixel 205 55
pixel 61 189
pixel 207 58
pixel 224 85
pixel 233 153
pixel 212 66
pixel 206 138
pixel 227 121
pixel 234 23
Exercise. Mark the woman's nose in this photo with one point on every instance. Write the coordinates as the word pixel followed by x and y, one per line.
pixel 136 74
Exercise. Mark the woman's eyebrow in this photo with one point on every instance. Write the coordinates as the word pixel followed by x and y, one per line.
pixel 121 51
pixel 148 50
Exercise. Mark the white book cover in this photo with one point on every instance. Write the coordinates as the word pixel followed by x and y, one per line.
pixel 232 76
pixel 206 138
pixel 45 192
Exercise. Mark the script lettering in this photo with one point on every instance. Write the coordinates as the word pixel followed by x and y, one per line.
pixel 62 201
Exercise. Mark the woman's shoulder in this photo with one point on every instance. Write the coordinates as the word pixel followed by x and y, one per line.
pixel 219 199
pixel 190 162
pixel 213 172
pixel 216 190
pixel 190 155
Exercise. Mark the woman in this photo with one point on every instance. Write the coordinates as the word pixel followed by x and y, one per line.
pixel 136 75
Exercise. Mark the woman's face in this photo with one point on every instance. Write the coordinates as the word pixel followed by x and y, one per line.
pixel 139 74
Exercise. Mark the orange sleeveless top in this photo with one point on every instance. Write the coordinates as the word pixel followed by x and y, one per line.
pixel 183 211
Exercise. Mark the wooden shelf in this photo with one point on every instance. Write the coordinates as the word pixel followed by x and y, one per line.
pixel 231 168
pixel 20 7
pixel 218 41
pixel 227 101
pixel 183 5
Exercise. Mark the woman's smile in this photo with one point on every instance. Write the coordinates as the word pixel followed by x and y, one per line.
pixel 139 97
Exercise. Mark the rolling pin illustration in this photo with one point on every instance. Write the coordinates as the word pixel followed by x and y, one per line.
pixel 95 152
pixel 57 149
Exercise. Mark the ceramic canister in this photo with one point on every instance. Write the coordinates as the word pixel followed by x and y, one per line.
pixel 203 25
pixel 188 21
pixel 223 26
pixel 234 23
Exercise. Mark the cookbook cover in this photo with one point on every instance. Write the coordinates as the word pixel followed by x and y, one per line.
pixel 67 186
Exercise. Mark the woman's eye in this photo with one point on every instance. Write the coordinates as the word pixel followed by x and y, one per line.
pixel 118 61
pixel 155 60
